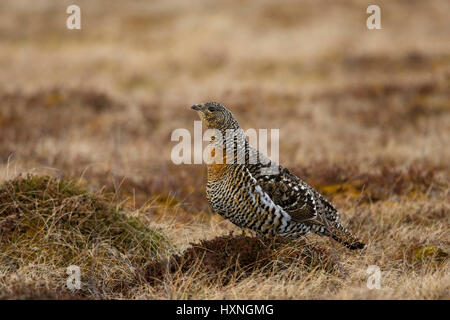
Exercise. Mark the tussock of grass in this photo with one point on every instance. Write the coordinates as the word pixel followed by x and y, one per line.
pixel 52 221
pixel 234 258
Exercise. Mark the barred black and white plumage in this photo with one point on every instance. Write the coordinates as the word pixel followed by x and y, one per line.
pixel 242 188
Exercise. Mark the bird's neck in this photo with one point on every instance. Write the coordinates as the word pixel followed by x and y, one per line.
pixel 224 152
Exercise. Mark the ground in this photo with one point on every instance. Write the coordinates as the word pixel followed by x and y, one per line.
pixel 364 116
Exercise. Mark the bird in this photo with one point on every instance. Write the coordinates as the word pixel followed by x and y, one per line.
pixel 241 189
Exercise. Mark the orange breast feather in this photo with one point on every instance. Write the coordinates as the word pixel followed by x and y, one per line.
pixel 217 162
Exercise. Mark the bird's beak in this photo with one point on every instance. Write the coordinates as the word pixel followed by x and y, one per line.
pixel 196 107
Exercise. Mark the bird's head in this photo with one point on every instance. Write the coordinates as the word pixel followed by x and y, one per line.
pixel 215 116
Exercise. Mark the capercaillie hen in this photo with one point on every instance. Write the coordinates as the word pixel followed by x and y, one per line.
pixel 251 191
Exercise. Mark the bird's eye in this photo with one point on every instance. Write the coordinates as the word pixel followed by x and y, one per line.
pixel 211 109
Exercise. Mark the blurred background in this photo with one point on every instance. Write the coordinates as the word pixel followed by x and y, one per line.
pixel 364 116
pixel 101 102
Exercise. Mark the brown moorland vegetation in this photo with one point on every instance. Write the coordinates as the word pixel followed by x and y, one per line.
pixel 86 118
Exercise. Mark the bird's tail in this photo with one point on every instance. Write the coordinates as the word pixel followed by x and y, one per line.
pixel 339 233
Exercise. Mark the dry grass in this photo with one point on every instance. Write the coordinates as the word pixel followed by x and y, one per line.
pixel 363 115
pixel 48 223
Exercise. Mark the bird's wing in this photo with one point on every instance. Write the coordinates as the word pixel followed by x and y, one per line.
pixel 301 201
pixel 289 192
pixel 265 214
